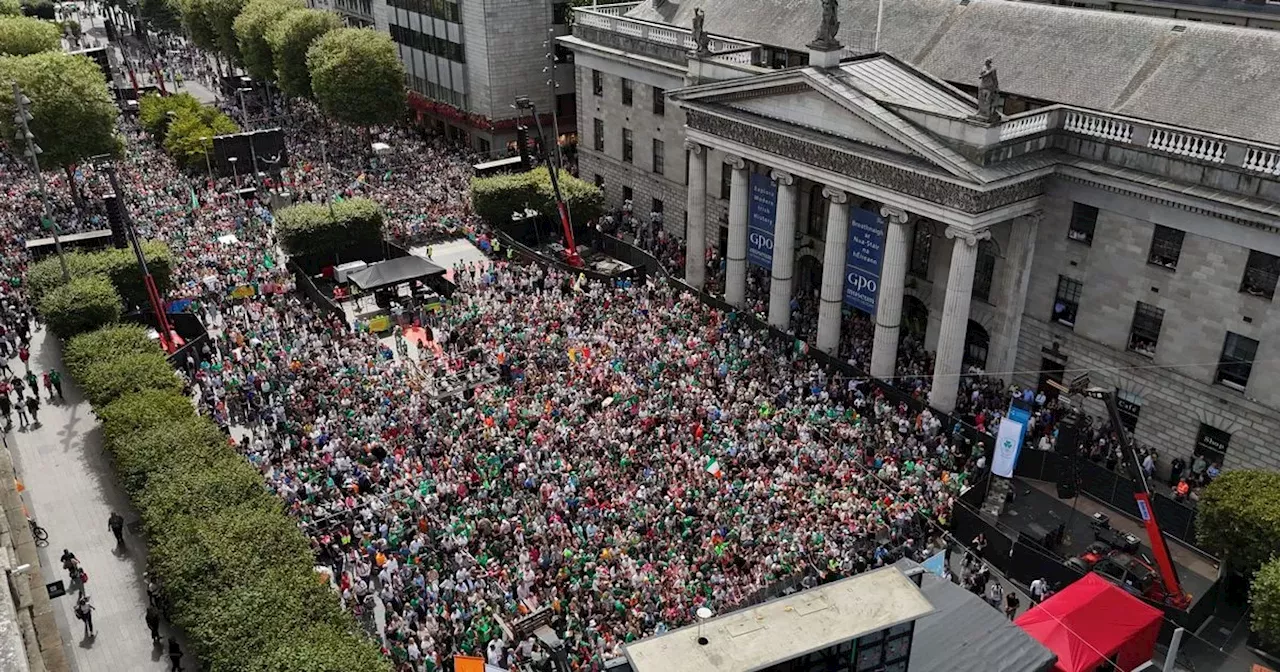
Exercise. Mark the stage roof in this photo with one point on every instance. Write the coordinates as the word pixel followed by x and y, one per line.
pixel 394 271
pixel 1091 621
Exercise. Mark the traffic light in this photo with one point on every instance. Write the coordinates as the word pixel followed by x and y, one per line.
pixel 115 219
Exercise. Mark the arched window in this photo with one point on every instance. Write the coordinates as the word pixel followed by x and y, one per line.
pixel 915 316
pixel 817 212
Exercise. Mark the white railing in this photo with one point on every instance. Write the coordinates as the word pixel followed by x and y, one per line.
pixel 1261 161
pixel 1098 126
pixel 1187 144
pixel 1023 126
pixel 610 18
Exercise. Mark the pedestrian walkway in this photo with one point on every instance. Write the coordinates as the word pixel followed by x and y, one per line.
pixel 71 490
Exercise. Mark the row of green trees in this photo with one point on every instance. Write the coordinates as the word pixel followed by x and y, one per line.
pixel 354 74
pixel 1238 520
pixel 349 229
pixel 183 126
pixel 235 569
pixel 23 36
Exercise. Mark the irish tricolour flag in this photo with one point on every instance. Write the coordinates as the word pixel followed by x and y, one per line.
pixel 713 467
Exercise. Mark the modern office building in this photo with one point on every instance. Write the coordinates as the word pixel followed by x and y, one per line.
pixel 1102 196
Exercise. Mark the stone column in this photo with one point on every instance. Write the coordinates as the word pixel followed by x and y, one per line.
pixel 893 278
pixel 1013 290
pixel 735 288
pixel 955 318
pixel 695 256
pixel 784 251
pixel 833 256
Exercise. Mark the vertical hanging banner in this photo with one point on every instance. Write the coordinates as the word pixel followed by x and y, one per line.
pixel 862 260
pixel 764 206
pixel 1008 445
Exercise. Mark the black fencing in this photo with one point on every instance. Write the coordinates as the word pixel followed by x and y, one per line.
pixel 967 524
pixel 308 287
pixel 1178 520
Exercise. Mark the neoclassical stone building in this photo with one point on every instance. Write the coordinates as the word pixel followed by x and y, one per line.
pixel 1101 197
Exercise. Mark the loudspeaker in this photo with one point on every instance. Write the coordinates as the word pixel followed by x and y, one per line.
pixel 1067 447
pixel 115 219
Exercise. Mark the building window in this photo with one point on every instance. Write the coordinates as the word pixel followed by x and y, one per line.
pixel 1166 247
pixel 1084 218
pixel 599 134
pixel 659 160
pixel 1145 332
pixel 627 194
pixel 599 180
pixel 726 181
pixel 1260 274
pixel 921 249
pixel 627 145
pixel 597 83
pixel 659 101
pixel 657 206
pixel 628 93
pixel 1212 443
pixel 983 270
pixel 1237 361
pixel 1067 301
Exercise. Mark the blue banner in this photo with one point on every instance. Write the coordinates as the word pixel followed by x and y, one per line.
pixel 1020 411
pixel 764 206
pixel 862 260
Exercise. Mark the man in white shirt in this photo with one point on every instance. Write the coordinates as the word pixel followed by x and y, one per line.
pixel 1038 589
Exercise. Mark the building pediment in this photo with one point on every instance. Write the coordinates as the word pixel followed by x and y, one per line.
pixel 861 101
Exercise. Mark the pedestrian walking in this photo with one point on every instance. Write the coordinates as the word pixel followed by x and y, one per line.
pixel 175 655
pixel 25 355
pixel 22 414
pixel 84 612
pixel 153 623
pixel 116 524
pixel 1039 588
pixel 33 383
pixel 995 594
pixel 33 407
pixel 1011 603
pixel 56 379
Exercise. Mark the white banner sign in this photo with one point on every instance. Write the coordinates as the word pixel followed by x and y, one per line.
pixel 1008 444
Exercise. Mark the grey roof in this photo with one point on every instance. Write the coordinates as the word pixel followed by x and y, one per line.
pixel 965 634
pixel 886 80
pixel 1215 78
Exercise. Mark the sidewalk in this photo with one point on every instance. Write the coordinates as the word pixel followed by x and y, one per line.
pixel 71 491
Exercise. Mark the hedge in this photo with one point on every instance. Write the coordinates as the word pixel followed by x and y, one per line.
pixel 235 570
pixel 23 36
pixel 118 266
pixel 154 109
pixel 309 230
pixel 1264 598
pixel 82 305
pixel 1238 518
pixel 79 352
pixel 495 198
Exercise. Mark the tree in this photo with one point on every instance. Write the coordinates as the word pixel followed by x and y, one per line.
pixel 309 230
pixel 221 16
pixel 357 76
pixel 495 198
pixel 10 8
pixel 153 111
pixel 191 134
pixel 197 23
pixel 82 305
pixel 290 38
pixel 117 339
pixel 161 15
pixel 251 28
pixel 22 36
pixel 1238 518
pixel 106 380
pixel 73 116
pixel 1264 598
pixel 41 9
pixel 118 266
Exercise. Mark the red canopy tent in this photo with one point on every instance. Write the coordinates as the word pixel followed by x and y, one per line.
pixel 1092 622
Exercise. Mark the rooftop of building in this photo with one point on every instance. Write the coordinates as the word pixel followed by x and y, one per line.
pixel 782 629
pixel 1210 77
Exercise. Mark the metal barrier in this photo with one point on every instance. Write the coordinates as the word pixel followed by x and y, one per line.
pixel 308 288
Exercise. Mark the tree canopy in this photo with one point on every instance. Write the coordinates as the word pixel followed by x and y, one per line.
pixel 10 8
pixel 190 136
pixel 197 24
pixel 161 15
pixel 22 36
pixel 73 116
pixel 1238 518
pixel 357 76
pixel 251 34
pixel 221 16
pixel 290 38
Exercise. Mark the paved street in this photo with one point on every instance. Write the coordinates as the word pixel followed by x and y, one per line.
pixel 71 491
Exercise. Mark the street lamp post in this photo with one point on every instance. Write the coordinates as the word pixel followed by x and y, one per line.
pixel 523 103
pixel 207 164
pixel 234 174
pixel 22 118
pixel 244 111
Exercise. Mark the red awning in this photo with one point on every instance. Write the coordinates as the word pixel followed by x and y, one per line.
pixel 1093 621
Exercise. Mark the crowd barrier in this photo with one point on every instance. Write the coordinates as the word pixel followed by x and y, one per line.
pixel 308 287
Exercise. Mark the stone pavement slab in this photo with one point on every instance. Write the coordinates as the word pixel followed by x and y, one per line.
pixel 71 490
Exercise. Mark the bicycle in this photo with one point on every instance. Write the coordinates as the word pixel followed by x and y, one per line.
pixel 38 533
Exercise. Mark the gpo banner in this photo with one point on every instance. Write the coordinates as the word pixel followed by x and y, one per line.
pixel 764 205
pixel 862 260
